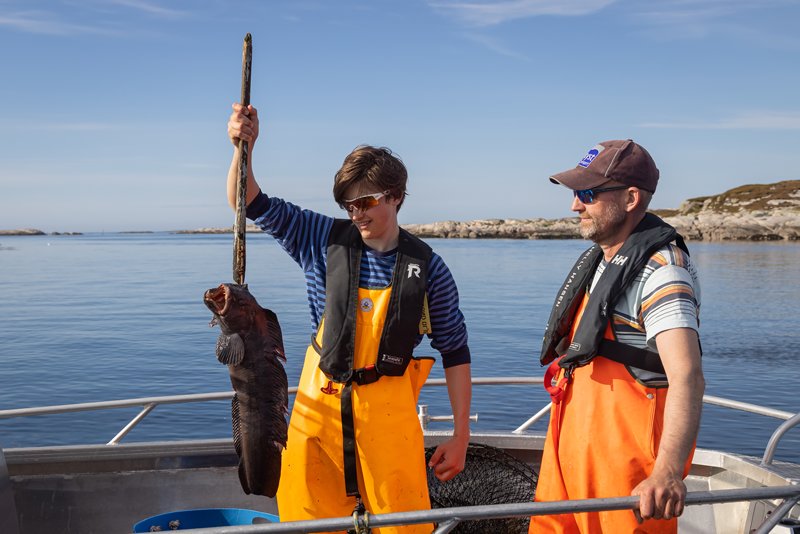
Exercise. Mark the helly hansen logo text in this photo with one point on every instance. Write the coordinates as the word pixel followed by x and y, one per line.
pixel 413 268
pixel 619 260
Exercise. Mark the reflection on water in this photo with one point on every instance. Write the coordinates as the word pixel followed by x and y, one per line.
pixel 91 318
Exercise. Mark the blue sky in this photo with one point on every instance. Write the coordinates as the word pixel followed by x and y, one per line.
pixel 113 112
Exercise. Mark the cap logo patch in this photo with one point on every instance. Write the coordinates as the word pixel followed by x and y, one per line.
pixel 589 157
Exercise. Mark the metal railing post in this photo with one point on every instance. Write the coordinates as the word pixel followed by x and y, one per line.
pixel 777 516
pixel 132 423
pixel 776 436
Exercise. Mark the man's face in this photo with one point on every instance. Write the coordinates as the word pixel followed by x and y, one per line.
pixel 602 219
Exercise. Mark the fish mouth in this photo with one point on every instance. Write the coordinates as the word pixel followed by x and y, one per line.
pixel 216 299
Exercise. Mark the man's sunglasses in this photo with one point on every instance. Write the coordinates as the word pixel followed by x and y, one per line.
pixel 587 196
pixel 362 203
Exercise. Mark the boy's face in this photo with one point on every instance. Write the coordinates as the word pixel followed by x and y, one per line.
pixel 377 217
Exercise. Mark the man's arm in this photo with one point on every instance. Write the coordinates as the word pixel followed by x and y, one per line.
pixel 448 459
pixel 243 124
pixel 662 494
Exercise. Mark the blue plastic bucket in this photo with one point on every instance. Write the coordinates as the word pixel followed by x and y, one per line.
pixel 204 518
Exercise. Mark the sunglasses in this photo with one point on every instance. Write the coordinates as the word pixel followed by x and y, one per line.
pixel 362 203
pixel 587 196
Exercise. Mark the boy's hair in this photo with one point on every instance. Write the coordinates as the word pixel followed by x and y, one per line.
pixel 375 166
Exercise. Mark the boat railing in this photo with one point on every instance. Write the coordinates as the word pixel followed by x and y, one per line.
pixel 148 404
pixel 448 519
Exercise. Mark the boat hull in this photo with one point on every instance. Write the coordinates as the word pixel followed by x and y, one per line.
pixel 103 488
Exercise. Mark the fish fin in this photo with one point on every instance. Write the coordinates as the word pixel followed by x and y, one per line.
pixel 237 443
pixel 230 349
pixel 276 336
pixel 237 434
pixel 243 478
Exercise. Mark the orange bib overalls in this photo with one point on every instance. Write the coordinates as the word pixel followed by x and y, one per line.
pixel 601 442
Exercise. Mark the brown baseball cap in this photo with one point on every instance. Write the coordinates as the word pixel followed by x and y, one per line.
pixel 621 160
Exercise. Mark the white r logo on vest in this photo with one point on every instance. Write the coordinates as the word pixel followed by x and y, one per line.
pixel 413 268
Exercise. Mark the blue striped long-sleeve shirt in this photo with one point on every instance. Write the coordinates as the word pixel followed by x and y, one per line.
pixel 303 234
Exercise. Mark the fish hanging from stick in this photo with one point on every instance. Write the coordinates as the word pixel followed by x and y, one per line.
pixel 251 345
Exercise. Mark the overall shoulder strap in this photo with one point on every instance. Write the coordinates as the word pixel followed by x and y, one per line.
pixel 568 299
pixel 406 303
pixel 341 293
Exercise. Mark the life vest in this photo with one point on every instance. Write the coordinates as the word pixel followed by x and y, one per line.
pixel 406 305
pixel 649 236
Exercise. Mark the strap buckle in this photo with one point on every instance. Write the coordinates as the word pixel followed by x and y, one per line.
pixel 360 519
pixel 556 389
pixel 365 375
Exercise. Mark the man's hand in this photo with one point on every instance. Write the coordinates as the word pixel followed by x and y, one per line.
pixel 243 124
pixel 448 459
pixel 661 496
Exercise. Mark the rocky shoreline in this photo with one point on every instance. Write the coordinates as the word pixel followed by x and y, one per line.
pixel 704 227
pixel 34 231
pixel 759 212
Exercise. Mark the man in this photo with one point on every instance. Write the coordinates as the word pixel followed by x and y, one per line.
pixel 354 440
pixel 623 352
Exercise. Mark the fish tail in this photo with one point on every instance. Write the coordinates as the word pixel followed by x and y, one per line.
pixel 268 477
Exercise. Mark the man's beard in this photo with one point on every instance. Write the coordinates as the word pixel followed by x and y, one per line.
pixel 604 225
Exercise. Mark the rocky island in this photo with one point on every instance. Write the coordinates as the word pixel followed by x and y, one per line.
pixel 759 212
pixel 23 231
pixel 34 231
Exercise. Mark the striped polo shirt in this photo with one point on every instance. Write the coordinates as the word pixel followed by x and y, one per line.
pixel 303 234
pixel 663 296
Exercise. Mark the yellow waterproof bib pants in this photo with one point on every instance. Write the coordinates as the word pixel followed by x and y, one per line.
pixel 389 444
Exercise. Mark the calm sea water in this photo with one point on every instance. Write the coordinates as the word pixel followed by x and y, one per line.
pixel 103 317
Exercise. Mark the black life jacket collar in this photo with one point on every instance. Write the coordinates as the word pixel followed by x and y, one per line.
pixel 649 236
pixel 401 326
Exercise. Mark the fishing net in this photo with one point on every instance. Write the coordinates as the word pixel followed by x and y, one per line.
pixel 490 476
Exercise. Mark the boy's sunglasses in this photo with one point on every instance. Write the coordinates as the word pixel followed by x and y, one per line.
pixel 362 203
pixel 587 196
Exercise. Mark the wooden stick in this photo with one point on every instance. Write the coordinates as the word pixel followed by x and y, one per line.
pixel 239 227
